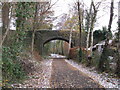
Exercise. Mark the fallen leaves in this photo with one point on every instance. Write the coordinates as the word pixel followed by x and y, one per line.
pixel 39 78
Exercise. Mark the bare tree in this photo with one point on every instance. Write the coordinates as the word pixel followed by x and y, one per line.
pixel 88 26
pixel 104 63
pixel 39 12
pixel 80 31
pixel 111 15
pixel 92 14
pixel 93 20
pixel 34 25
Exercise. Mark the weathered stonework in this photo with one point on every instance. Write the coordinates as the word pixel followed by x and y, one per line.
pixel 44 36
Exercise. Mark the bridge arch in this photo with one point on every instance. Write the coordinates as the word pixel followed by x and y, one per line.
pixel 44 36
pixel 57 38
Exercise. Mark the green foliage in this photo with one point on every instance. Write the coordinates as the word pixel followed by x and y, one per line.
pixel 47 49
pixel 84 58
pixel 24 11
pixel 12 53
pixel 12 70
pixel 11 67
pixel 118 52
pixel 116 36
pixel 104 61
pixel 100 35
pixel 95 59
pixel 117 71
pixel 81 56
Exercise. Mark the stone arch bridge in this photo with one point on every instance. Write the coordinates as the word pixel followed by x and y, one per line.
pixel 44 36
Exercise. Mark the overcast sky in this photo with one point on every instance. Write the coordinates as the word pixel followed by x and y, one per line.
pixel 62 6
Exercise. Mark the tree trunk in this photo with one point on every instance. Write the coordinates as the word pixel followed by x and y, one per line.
pixel 88 27
pixel 7 27
pixel 62 47
pixel 91 44
pixel 5 16
pixel 80 32
pixel 70 39
pixel 87 42
pixel 34 26
pixel 111 15
pixel 91 31
pixel 104 63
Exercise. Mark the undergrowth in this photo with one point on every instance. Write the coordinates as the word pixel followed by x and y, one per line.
pixel 12 70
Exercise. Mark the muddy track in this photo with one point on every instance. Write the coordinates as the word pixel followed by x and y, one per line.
pixel 65 75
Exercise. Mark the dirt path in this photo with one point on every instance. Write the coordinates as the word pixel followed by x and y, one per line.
pixel 66 76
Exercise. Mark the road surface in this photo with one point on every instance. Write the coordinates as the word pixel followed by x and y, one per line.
pixel 65 75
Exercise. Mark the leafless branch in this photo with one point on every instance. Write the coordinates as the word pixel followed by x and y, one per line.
pixel 50 6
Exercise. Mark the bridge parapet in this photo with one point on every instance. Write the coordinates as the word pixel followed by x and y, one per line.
pixel 44 36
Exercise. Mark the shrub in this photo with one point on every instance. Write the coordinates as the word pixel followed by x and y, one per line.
pixel 104 61
pixel 11 68
pixel 95 59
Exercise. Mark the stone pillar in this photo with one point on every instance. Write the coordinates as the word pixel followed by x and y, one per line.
pixel 39 42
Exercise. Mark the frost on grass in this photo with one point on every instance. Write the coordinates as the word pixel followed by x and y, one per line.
pixel 39 78
pixel 102 79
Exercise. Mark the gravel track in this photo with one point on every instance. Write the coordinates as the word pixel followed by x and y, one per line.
pixel 65 75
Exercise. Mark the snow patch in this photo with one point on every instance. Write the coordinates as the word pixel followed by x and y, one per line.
pixel 57 56
pixel 102 79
